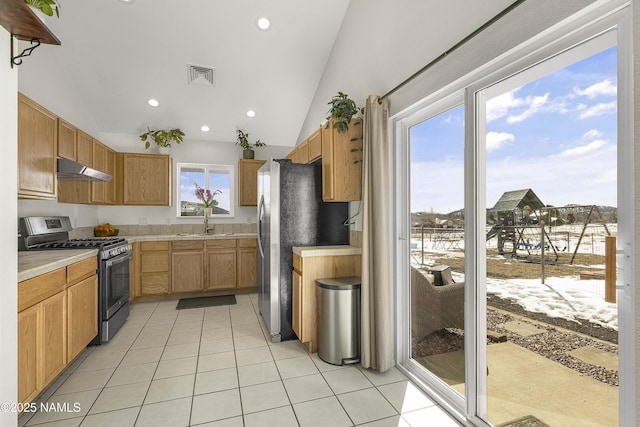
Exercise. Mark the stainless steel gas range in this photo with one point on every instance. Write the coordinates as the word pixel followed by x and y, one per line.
pixel 50 233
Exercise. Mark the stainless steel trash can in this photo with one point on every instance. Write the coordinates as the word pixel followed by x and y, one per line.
pixel 338 303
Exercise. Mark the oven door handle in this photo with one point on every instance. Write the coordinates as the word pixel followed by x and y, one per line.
pixel 119 258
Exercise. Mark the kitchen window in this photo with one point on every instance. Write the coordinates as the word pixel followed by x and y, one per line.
pixel 216 178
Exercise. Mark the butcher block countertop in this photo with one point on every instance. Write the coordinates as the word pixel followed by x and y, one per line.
pixel 35 263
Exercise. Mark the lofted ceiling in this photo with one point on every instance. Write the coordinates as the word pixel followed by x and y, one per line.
pixel 116 55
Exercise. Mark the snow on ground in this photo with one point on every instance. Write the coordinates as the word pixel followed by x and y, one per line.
pixel 563 297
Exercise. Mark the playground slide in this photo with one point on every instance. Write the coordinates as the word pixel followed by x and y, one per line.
pixel 493 231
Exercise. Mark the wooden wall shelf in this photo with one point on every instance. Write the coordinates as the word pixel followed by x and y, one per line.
pixel 18 19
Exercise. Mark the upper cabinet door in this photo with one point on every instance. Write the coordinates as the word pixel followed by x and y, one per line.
pixel 67 136
pixel 37 150
pixel 146 179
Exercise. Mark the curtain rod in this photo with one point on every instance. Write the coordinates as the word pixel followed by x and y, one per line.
pixel 455 47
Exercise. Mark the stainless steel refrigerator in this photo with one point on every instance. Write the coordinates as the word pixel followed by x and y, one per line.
pixel 291 213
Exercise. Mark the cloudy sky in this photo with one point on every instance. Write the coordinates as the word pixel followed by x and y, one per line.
pixel 555 135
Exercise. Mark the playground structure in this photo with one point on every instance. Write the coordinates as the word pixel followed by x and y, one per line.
pixel 525 226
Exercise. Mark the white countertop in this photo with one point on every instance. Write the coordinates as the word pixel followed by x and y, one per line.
pixel 309 251
pixel 35 263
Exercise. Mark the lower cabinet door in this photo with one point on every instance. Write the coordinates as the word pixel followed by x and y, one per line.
pixel 187 271
pixel 28 353
pixel 221 269
pixel 82 302
pixel 54 337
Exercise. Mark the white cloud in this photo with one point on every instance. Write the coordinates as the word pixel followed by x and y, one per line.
pixel 495 140
pixel 592 134
pixel 584 149
pixel 599 110
pixel 500 105
pixel 604 87
pixel 535 103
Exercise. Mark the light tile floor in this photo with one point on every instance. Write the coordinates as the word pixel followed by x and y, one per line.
pixel 214 367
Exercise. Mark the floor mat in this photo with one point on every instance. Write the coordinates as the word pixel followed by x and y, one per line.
pixel 528 421
pixel 199 302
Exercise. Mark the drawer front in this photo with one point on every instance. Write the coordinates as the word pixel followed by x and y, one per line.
pixel 154 246
pixel 81 270
pixel 297 263
pixel 226 243
pixel 154 284
pixel 39 288
pixel 247 243
pixel 154 262
pixel 187 245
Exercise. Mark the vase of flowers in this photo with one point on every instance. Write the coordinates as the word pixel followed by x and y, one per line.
pixel 207 197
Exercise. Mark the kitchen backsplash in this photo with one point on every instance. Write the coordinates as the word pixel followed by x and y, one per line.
pixel 165 229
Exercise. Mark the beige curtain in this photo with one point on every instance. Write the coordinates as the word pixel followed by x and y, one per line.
pixel 376 294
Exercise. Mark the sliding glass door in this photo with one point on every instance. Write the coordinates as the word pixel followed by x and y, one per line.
pixel 550 193
pixel 513 211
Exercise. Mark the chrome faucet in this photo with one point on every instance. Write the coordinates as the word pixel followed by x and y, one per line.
pixel 208 229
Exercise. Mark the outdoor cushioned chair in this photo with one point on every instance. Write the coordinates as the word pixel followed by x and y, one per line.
pixel 434 307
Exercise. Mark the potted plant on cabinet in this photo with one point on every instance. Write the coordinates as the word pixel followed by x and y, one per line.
pixel 247 148
pixel 162 138
pixel 342 110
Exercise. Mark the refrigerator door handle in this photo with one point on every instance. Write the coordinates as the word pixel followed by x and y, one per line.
pixel 260 212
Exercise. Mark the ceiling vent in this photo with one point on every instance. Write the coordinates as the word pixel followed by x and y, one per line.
pixel 198 75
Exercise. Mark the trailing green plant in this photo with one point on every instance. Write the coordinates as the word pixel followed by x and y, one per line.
pixel 48 7
pixel 342 110
pixel 162 138
pixel 243 140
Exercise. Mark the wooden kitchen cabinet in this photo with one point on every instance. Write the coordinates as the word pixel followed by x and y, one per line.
pixel 247 263
pixel 248 181
pixel 301 153
pixel 146 179
pixel 84 149
pixel 92 153
pixel 98 189
pixel 221 264
pixel 82 305
pixel 154 268
pixel 37 150
pixel 28 348
pixel 54 337
pixel 296 301
pixel 306 270
pixel 315 146
pixel 42 351
pixel 342 163
pixel 67 140
pixel 134 270
pixel 187 266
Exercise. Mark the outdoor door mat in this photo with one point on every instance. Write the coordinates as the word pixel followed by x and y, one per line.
pixel 198 302
pixel 528 421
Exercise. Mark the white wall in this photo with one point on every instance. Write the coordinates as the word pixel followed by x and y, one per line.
pixel 190 151
pixel 8 230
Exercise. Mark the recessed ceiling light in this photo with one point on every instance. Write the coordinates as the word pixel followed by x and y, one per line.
pixel 204 128
pixel 153 102
pixel 251 113
pixel 263 23
pixel 127 1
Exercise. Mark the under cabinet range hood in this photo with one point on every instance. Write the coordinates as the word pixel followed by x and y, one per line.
pixel 73 171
